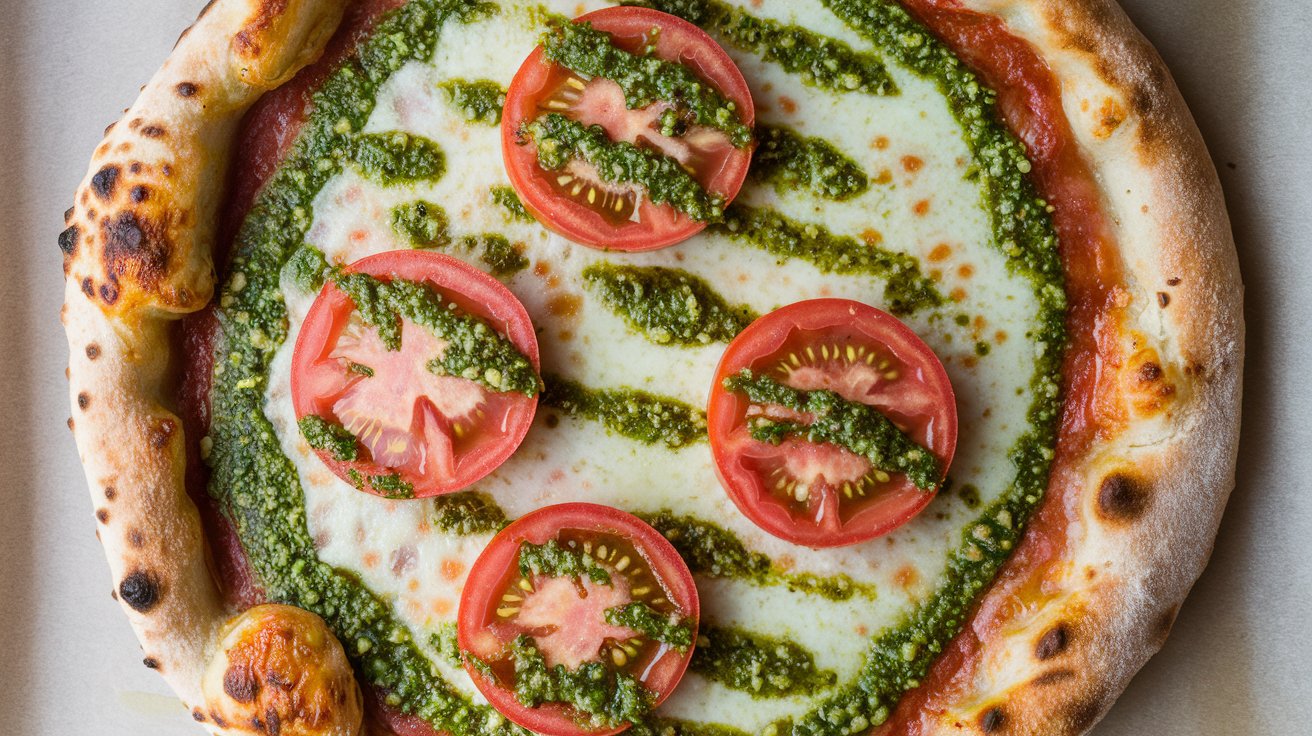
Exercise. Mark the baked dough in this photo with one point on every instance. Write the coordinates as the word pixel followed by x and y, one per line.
pixel 1049 647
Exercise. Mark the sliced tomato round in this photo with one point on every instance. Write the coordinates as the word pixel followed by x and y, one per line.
pixel 574 201
pixel 565 615
pixel 421 432
pixel 820 494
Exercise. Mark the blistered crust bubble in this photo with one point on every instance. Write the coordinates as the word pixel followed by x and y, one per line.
pixel 279 670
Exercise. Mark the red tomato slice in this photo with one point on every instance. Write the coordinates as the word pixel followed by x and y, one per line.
pixel 564 615
pixel 438 433
pixel 819 494
pixel 637 224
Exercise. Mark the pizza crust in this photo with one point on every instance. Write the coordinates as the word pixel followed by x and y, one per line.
pixel 1151 495
pixel 138 254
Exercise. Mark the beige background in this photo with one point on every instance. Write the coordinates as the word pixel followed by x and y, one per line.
pixel 1239 662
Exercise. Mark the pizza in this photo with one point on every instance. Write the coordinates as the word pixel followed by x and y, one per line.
pixel 684 367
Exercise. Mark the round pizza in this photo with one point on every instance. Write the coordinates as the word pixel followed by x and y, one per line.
pixel 678 367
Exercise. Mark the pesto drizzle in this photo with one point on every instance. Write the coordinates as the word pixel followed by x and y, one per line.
pixel 254 482
pixel 466 513
pixel 631 413
pixel 508 199
pixel 560 140
pixel 481 100
pixel 645 79
pixel 425 225
pixel 764 666
pixel 788 160
pixel 398 158
pixel 906 289
pixel 607 698
pixel 667 305
pixel 821 61
pixel 474 351
pixel 330 437
pixel 646 620
pixel 856 427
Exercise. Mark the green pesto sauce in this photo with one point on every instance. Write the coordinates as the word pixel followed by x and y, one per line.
pixel 422 224
pixel 467 513
pixel 644 619
pixel 655 726
pixel 607 698
pixel 631 413
pixel 330 437
pixel 857 427
pixel 554 560
pixel 425 225
pixel 252 480
pixel 446 643
pixel 560 140
pixel 474 350
pixel 307 268
pixel 645 79
pixel 667 305
pixel 789 161
pixel 398 158
pixel 764 666
pixel 392 486
pixel 906 289
pixel 508 199
pixel 480 100
pixel 713 551
pixel 821 61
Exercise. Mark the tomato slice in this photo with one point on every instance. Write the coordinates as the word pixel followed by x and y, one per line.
pixel 435 434
pixel 574 201
pixel 564 616
pixel 820 494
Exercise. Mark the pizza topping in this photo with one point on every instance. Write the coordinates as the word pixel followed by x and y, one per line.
pixel 764 666
pixel 627 129
pixel 829 420
pixel 577 619
pixel 631 413
pixel 824 416
pixel 788 161
pixel 820 60
pixel 646 79
pixel 582 153
pixel 480 100
pixel 667 305
pixel 402 381
pixel 398 158
pixel 466 513
pixel 506 197
pixel 425 224
pixel 906 290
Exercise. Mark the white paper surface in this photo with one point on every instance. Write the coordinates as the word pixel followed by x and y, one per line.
pixel 1240 657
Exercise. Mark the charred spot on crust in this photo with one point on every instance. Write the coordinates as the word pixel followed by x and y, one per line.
pixel 103 181
pixel 992 720
pixel 93 351
pixel 272 722
pixel 152 131
pixel 68 214
pixel 219 720
pixel 162 432
pixel 241 684
pixel 110 493
pixel 1173 281
pixel 1083 714
pixel 68 239
pixel 139 590
pixel 70 424
pixel 1052 643
pixel 151 663
pixel 136 539
pixel 197 715
pixel 134 246
pixel 109 292
pixel 138 194
pixel 1163 299
pixel 1121 498
pixel 102 515
pixel 88 288
pixel 1149 372
pixel 83 400
pixel 187 89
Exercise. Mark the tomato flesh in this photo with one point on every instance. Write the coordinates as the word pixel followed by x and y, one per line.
pixel 565 616
pixel 820 494
pixel 436 433
pixel 575 202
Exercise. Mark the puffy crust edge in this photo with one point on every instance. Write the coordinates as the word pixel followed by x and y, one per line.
pixel 138 254
pixel 1151 495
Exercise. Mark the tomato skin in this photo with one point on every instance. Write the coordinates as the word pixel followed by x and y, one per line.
pixel 662 226
pixel 759 347
pixel 495 566
pixel 476 293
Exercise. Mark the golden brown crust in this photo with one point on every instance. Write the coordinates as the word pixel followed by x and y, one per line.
pixel 137 255
pixel 1152 493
